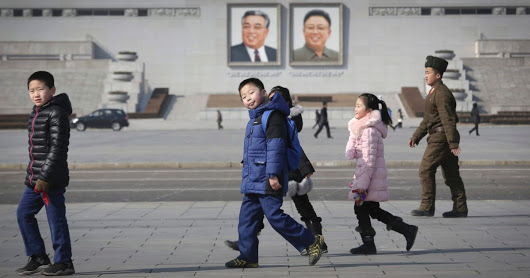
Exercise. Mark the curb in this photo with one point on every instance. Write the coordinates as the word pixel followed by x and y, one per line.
pixel 232 164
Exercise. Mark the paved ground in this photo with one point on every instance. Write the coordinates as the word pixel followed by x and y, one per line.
pixel 185 239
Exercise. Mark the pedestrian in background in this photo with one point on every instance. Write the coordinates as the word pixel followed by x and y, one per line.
pixel 439 121
pixel 369 186
pixel 317 118
pixel 475 117
pixel 323 120
pixel 47 176
pixel 400 120
pixel 219 120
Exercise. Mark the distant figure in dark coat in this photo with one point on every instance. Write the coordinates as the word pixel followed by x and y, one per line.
pixel 219 120
pixel 475 117
pixel 317 118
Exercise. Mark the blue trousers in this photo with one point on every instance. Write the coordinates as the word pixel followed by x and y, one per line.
pixel 253 208
pixel 30 204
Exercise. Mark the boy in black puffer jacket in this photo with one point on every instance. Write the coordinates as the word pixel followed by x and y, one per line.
pixel 46 178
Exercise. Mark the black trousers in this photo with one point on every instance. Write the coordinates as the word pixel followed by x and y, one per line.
pixel 474 129
pixel 372 209
pixel 304 208
pixel 326 124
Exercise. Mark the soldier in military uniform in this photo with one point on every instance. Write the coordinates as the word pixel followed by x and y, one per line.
pixel 442 149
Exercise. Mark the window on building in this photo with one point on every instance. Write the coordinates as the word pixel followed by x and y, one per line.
pixel 57 12
pixel 468 11
pixel 510 10
pixel 452 11
pixel 36 12
pixel 101 12
pixel 425 11
pixel 17 12
pixel 117 12
pixel 84 12
pixel 142 12
pixel 484 11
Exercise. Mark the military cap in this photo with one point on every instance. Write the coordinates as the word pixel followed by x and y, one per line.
pixel 436 63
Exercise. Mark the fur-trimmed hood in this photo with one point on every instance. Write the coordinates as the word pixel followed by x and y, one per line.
pixel 356 126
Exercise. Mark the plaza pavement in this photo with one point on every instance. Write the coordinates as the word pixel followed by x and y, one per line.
pixel 185 239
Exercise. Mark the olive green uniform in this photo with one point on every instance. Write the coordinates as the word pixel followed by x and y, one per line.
pixel 439 122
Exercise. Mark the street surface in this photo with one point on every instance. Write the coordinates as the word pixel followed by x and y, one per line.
pixel 155 185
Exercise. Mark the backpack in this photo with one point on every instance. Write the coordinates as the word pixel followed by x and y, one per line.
pixel 294 150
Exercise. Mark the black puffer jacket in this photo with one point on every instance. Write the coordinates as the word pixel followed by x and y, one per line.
pixel 305 167
pixel 49 135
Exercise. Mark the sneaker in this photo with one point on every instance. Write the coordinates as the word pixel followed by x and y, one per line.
pixel 237 263
pixel 324 250
pixel 234 245
pixel 420 212
pixel 35 264
pixel 59 269
pixel 315 250
pixel 454 214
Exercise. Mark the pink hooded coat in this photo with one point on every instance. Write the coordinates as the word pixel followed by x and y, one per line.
pixel 366 145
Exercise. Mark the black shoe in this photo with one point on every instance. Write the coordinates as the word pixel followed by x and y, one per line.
pixel 232 244
pixel 420 212
pixel 408 231
pixel 237 263
pixel 368 247
pixel 330 137
pixel 454 214
pixel 315 136
pixel 59 269
pixel 35 264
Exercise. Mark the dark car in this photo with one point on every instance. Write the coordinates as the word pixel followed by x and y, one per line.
pixel 101 118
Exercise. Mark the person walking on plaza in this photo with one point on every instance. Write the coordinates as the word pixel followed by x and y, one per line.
pixel 369 186
pixel 439 121
pixel 475 117
pixel 317 119
pixel 46 178
pixel 265 178
pixel 219 120
pixel 400 120
pixel 300 182
pixel 323 120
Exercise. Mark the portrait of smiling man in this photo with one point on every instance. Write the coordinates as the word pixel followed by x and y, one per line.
pixel 254 31
pixel 316 31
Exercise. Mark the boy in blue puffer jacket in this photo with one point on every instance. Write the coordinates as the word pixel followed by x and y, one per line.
pixel 265 178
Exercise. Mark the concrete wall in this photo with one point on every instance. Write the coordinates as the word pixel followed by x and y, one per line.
pixel 188 54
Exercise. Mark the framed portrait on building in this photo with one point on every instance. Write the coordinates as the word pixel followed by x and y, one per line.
pixel 254 34
pixel 316 32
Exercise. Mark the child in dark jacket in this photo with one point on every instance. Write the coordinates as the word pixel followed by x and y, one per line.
pixel 300 182
pixel 46 178
pixel 265 178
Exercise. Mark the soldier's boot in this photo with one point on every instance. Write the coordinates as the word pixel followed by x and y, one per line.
pixel 368 246
pixel 408 231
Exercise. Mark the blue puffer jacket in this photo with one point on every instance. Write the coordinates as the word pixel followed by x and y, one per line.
pixel 264 153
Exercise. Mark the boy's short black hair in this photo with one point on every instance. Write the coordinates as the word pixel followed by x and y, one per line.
pixel 324 102
pixel 42 76
pixel 252 80
pixel 318 13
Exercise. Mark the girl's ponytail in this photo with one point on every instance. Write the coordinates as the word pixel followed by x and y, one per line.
pixel 384 114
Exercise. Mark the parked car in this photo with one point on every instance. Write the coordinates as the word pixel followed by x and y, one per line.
pixel 101 118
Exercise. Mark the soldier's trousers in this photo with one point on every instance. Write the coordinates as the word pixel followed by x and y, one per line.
pixel 439 154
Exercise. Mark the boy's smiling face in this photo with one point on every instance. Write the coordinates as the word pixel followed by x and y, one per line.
pixel 251 96
pixel 39 92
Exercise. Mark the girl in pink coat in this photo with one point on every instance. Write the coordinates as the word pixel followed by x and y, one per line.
pixel 369 185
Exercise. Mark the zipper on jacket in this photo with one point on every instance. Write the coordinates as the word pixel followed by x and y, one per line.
pixel 31 145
